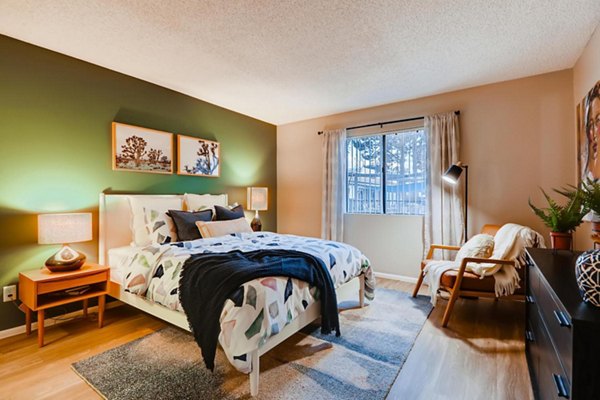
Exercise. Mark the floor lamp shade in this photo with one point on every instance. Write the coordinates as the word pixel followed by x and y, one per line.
pixel 258 200
pixel 452 175
pixel 64 229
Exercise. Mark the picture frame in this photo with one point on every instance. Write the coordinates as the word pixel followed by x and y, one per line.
pixel 588 135
pixel 198 157
pixel 138 149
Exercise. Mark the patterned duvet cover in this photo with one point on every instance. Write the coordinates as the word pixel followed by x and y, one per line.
pixel 269 304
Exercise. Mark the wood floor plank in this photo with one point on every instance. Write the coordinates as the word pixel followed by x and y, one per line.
pixel 480 355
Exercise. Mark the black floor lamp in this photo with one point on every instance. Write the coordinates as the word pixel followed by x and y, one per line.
pixel 451 175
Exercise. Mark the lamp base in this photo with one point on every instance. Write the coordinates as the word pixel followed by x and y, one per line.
pixel 256 225
pixel 66 259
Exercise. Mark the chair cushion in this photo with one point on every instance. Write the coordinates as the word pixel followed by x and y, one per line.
pixel 472 281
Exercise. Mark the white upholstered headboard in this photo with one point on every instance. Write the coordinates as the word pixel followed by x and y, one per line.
pixel 115 221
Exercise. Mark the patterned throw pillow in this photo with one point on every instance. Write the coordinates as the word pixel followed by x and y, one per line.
pixel 138 205
pixel 159 226
pixel 227 214
pixel 196 202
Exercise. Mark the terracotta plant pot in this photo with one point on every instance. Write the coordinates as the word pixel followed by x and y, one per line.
pixel 561 241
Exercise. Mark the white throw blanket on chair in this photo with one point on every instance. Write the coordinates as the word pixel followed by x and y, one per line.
pixel 510 242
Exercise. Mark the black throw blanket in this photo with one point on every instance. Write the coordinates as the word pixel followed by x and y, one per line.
pixel 208 280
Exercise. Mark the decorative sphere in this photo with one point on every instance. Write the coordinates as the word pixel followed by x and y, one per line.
pixel 587 270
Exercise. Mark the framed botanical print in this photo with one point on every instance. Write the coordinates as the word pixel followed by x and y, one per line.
pixel 141 149
pixel 199 157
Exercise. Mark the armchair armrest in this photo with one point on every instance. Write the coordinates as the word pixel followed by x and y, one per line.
pixel 479 260
pixel 439 247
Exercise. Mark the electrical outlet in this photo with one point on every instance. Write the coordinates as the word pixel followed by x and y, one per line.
pixel 9 293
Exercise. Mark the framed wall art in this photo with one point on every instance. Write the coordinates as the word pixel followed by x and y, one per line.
pixel 141 149
pixel 588 135
pixel 199 157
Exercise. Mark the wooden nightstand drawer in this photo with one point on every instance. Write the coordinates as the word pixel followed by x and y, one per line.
pixel 63 284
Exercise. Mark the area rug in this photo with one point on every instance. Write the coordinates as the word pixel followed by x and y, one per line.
pixel 361 364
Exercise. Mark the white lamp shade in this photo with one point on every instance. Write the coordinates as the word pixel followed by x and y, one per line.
pixel 64 228
pixel 257 198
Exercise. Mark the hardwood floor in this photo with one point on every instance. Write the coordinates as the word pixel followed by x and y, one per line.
pixel 480 356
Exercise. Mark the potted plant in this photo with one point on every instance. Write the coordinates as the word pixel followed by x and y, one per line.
pixel 590 192
pixel 562 219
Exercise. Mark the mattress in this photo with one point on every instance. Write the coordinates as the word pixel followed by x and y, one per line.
pixel 117 260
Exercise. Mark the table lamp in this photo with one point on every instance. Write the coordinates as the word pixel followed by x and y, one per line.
pixel 257 201
pixel 64 229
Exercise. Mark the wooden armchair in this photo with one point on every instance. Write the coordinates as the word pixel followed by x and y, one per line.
pixel 463 283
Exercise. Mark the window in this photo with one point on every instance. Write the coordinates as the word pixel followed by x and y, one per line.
pixel 392 166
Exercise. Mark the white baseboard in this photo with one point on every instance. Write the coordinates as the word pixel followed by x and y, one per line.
pixel 17 330
pixel 395 277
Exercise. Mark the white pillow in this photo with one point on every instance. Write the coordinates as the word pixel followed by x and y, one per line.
pixel 222 228
pixel 198 202
pixel 138 221
pixel 159 226
pixel 480 246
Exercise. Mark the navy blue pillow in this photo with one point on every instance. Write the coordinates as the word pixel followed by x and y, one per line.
pixel 185 223
pixel 226 214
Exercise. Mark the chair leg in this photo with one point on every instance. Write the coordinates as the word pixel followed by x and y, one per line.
pixel 419 282
pixel 450 306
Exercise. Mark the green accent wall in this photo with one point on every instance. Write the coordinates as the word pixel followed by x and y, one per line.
pixel 55 150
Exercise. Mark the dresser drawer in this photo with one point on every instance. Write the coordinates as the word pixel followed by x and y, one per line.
pixel 552 380
pixel 532 351
pixel 533 275
pixel 556 319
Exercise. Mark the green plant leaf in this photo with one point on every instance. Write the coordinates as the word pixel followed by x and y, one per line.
pixel 567 217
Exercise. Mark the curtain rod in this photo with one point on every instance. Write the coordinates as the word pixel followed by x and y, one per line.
pixel 380 124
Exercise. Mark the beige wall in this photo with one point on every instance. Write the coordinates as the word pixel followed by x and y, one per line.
pixel 516 136
pixel 586 73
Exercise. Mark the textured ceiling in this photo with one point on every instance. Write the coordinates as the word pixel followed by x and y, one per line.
pixel 284 61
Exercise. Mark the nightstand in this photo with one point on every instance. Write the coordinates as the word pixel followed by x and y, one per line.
pixel 41 289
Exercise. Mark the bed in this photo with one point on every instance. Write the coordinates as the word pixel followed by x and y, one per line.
pixel 158 296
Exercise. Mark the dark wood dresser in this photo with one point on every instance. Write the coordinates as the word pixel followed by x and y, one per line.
pixel 562 332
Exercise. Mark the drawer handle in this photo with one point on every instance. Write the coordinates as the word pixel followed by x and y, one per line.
pixel 529 336
pixel 529 299
pixel 562 319
pixel 561 388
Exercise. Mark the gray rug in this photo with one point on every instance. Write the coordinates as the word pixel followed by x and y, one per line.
pixel 361 364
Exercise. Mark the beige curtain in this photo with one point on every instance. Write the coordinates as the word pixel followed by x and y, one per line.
pixel 334 184
pixel 444 220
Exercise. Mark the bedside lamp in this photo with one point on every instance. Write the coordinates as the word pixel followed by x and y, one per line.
pixel 257 201
pixel 64 229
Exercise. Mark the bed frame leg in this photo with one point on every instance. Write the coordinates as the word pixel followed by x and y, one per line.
pixel 361 290
pixel 255 360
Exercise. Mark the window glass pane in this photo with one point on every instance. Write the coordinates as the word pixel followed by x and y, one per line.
pixel 364 175
pixel 406 172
